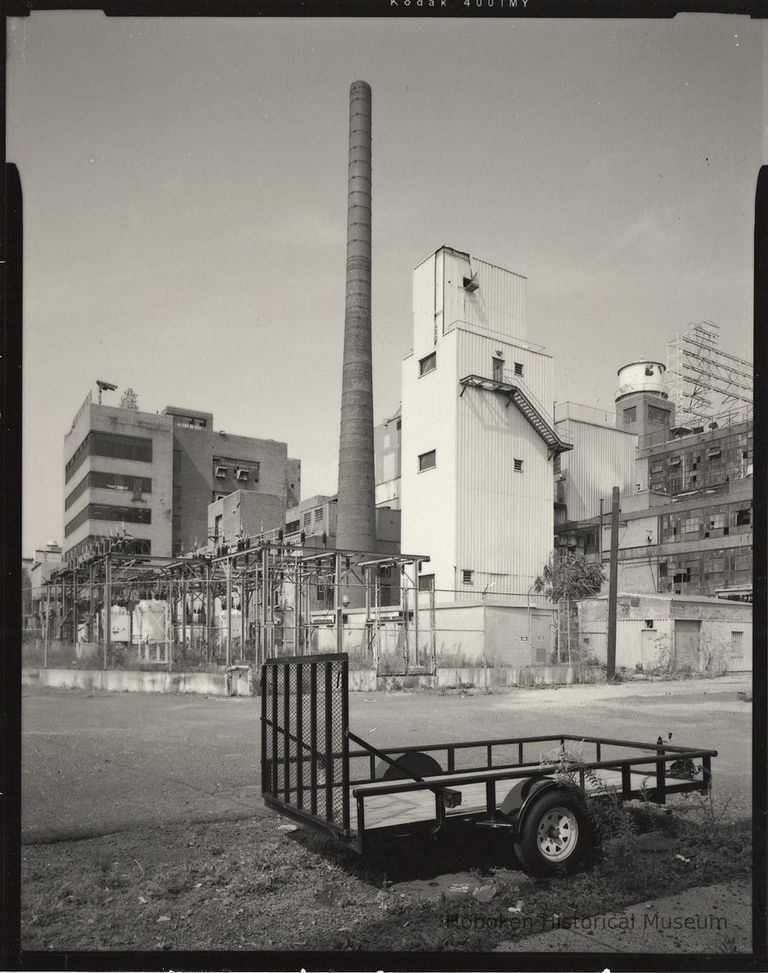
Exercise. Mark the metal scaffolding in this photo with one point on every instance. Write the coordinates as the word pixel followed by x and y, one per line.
pixel 706 383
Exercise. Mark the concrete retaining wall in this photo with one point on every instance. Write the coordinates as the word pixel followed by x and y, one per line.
pixel 366 680
pixel 360 680
pixel 135 681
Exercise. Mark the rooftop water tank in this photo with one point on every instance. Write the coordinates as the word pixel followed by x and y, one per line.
pixel 641 376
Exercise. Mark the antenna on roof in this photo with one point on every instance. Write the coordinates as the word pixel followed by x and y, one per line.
pixel 104 387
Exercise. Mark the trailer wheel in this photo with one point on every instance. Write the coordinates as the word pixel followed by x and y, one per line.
pixel 556 833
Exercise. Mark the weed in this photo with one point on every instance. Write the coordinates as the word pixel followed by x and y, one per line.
pixel 728 944
pixel 709 809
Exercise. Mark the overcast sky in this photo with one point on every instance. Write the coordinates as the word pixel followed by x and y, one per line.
pixel 185 192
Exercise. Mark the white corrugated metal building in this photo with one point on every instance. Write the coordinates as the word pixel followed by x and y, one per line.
pixel 603 456
pixel 477 433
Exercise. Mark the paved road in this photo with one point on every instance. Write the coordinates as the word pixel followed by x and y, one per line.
pixel 96 763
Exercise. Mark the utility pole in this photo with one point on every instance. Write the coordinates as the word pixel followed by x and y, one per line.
pixel 229 612
pixel 107 607
pixel 613 584
pixel 600 535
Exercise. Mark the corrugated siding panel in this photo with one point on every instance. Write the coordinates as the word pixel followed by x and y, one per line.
pixel 498 305
pixel 504 518
pixel 601 459
pixel 428 499
pixel 477 358
pixel 424 308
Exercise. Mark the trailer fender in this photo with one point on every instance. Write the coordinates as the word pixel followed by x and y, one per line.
pixel 520 798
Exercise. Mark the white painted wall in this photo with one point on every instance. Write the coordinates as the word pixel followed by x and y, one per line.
pixel 473 511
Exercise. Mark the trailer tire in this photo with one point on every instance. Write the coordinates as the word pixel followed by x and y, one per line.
pixel 555 834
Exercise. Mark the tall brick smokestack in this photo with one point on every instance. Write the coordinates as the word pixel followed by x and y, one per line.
pixel 356 515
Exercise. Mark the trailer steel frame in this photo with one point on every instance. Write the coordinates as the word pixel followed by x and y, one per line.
pixel 307 763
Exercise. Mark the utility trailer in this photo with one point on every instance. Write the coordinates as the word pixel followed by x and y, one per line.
pixel 310 773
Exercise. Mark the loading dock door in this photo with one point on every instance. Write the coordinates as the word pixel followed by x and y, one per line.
pixel 687 635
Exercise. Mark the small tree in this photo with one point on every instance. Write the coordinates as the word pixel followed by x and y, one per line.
pixel 568 576
pixel 130 400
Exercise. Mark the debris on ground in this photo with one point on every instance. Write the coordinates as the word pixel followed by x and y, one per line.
pixel 484 893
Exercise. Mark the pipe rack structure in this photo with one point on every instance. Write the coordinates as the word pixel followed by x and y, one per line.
pixel 275 598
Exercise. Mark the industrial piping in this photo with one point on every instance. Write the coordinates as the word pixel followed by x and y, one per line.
pixel 356 516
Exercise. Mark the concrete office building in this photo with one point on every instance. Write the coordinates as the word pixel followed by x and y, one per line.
pixel 478 436
pixel 152 476
pixel 118 477
pixel 209 465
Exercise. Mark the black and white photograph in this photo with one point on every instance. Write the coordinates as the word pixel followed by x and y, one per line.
pixel 386 487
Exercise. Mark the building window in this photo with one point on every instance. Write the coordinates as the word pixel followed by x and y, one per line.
pixel 319 515
pixel 742 562
pixel 105 511
pixel 109 444
pixel 221 473
pixel 649 623
pixel 466 576
pixel 691 525
pixel 630 415
pixel 662 569
pixel 217 526
pixel 717 522
pixel 426 582
pixel 428 364
pixel 657 466
pixel 122 447
pixel 737 646
pixel 427 461
pixel 743 517
pixel 519 368
pixel 498 369
pixel 657 415
pixel 308 519
pixel 189 422
pixel 292 527
pixel 242 474
pixel 518 466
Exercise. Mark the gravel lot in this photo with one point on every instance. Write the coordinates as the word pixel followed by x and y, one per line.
pixel 99 763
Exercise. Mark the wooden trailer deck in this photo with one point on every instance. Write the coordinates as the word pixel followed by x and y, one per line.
pixel 411 807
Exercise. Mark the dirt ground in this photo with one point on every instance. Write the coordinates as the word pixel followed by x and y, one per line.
pixel 176 852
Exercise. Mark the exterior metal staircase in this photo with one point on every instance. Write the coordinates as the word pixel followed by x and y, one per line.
pixel 523 399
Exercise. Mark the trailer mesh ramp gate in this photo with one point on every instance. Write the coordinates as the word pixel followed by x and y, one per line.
pixel 304 742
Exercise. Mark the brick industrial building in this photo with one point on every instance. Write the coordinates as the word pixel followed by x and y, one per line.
pixel 686 508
